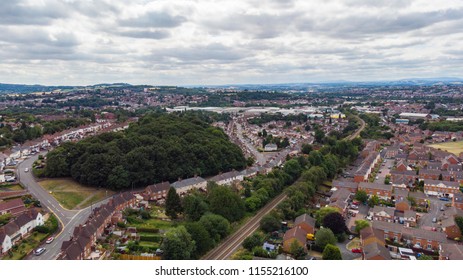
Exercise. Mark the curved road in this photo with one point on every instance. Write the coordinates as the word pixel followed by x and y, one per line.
pixel 69 219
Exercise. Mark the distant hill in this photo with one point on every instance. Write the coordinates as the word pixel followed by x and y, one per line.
pixel 25 89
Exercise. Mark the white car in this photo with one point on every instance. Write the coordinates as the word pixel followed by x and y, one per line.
pixel 26 170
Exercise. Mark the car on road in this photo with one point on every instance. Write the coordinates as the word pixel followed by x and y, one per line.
pixel 50 240
pixel 26 170
pixel 39 251
pixel 434 220
pixel 357 250
pixel 442 208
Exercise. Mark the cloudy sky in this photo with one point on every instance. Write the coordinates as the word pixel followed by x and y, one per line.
pixel 188 42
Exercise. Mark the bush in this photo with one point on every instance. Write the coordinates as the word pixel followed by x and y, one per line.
pixel 148 229
pixel 151 238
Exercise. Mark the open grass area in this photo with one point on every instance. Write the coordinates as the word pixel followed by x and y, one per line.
pixel 355 243
pixel 72 195
pixel 451 147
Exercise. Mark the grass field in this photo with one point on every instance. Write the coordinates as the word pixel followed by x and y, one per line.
pixel 72 195
pixel 451 147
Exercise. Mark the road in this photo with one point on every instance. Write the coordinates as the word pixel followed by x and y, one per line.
pixel 384 170
pixel 68 219
pixel 233 242
pixel 357 133
pixel 259 157
pixel 433 212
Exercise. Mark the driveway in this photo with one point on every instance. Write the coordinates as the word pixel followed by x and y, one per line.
pixel 384 170
pixel 433 212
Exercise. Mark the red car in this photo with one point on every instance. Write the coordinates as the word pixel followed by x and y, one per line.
pixel 356 202
pixel 357 250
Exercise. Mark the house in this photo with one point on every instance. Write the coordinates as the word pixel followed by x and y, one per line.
pixel 457 201
pixel 381 190
pixel 20 227
pixel 157 191
pixel 402 166
pixel 370 234
pixel 400 193
pixel 270 148
pixel 380 213
pixel 296 234
pixel 441 188
pixel 450 228
pixel 228 178
pixel 419 197
pixel 349 185
pixel 434 174
pixel 450 252
pixel 5 242
pixel 409 218
pixel 183 186
pixel 402 205
pixel 374 251
pixel 306 222
pixel 14 207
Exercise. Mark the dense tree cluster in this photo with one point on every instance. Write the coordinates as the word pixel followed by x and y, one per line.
pixel 266 118
pixel 442 126
pixel 159 147
pixel 374 129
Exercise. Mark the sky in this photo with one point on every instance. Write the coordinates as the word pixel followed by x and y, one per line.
pixel 211 42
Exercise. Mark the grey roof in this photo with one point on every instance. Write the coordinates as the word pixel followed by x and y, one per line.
pixel 164 186
pixel 188 182
pixel 446 183
pixel 344 184
pixel 305 218
pixel 374 249
pixel 225 176
pixel 377 209
pixel 375 186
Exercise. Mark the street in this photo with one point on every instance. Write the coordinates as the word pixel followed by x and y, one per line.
pixel 68 219
pixel 384 170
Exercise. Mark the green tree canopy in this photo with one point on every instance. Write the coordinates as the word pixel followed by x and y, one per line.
pixel 336 222
pixel 361 224
pixel 361 196
pixel 223 201
pixel 331 252
pixel 217 226
pixel 173 204
pixel 178 244
pixel 324 237
pixel 194 207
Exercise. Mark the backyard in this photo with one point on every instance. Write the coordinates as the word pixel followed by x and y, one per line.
pixel 72 195
pixel 451 147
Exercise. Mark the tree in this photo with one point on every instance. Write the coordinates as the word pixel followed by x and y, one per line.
pixel 224 202
pixel 217 226
pixel 373 201
pixel 424 257
pixel 324 237
pixel 387 180
pixel 119 178
pixel 173 204
pixel 336 222
pixel 178 244
pixel 361 196
pixel 320 214
pixel 440 177
pixel 459 222
pixel 194 207
pixel 319 136
pixel 297 250
pixel 361 224
pixel 332 252
pixel 270 223
pixel 252 241
pixel 201 237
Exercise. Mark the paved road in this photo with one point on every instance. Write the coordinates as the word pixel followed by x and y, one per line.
pixel 433 212
pixel 69 219
pixel 260 158
pixel 384 170
pixel 233 242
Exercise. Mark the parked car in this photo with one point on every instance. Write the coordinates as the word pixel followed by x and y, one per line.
pixel 50 240
pixel 351 237
pixel 39 251
pixel 353 206
pixel 444 199
pixel 357 250
pixel 442 208
pixel 434 220
pixel 26 170
pixel 356 202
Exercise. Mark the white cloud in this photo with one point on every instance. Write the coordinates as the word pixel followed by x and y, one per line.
pixel 219 41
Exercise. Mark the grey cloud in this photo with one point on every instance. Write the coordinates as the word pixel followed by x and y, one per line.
pixel 145 34
pixel 16 13
pixel 154 19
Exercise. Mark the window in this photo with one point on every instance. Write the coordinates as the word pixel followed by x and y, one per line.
pixel 429 246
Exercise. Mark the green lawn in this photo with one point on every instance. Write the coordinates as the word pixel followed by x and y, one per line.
pixel 451 147
pixel 72 195
pixel 15 187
